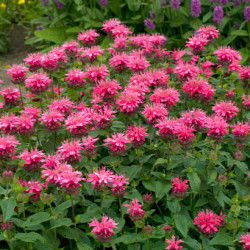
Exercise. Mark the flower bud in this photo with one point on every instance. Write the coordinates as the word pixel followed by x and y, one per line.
pixel 7 176
pixel 47 198
pixel 23 198
pixel 238 156
pixel 222 179
pixel 167 228
pixel 147 230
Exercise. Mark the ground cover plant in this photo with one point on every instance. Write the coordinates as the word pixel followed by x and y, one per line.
pixel 130 147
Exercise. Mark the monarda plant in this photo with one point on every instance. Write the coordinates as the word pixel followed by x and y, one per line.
pixel 127 147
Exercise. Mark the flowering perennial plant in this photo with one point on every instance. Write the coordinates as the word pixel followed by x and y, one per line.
pixel 128 145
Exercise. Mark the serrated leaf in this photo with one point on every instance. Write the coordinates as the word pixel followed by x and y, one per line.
pixel 36 219
pixel 126 239
pixel 195 181
pixel 62 207
pixel 181 223
pixel 207 16
pixel 62 222
pixel 8 206
pixel 222 239
pixel 55 35
pixel 239 33
pixel 29 237
pixel 83 246
pixel 160 161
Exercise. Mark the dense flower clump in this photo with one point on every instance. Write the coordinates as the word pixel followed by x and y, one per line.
pixel 128 145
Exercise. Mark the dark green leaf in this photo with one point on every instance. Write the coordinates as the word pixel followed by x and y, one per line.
pixel 36 219
pixel 8 206
pixel 195 181
pixel 29 237
pixel 181 223
pixel 222 239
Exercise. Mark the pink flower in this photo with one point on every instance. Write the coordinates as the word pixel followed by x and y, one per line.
pixel 60 53
pixel 104 116
pixel 51 161
pixel 90 54
pixel 32 159
pixel 185 134
pixel 128 102
pixel 75 78
pixel 104 229
pixel 106 89
pixel 10 95
pixel 62 105
pixel 70 151
pixel 230 94
pixel 8 123
pixel 25 125
pixel 88 37
pixel 89 149
pixel 167 228
pixel 137 135
pixel 167 127
pixel 101 178
pixel 217 127
pixel 110 24
pixel 207 222
pixel 227 110
pixel 245 239
pixel 70 47
pixel 119 183
pixel 50 62
pixel 31 112
pixel 244 73
pixel 234 66
pixel 117 143
pixel 179 187
pixel 96 73
pixel 159 77
pixel 79 123
pixel 240 131
pixel 154 112
pixel 197 44
pixel 194 118
pixel 37 82
pixel 186 70
pixel 174 243
pixel 135 212
pixel 198 88
pixel 17 73
pixel 34 61
pixel 120 30
pixel 34 188
pixel 119 61
pixel 226 55
pixel 8 145
pixel 166 96
pixel 52 119
pixel 209 32
pixel 120 43
pixel 246 102
pixel 137 63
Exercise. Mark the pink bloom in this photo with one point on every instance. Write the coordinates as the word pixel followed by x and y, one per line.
pixel 37 82
pixel 209 32
pixel 117 143
pixel 167 128
pixel 110 24
pixel 31 112
pixel 245 239
pixel 244 73
pixel 62 105
pixel 230 94
pixel 217 127
pixel 25 125
pixel 96 73
pixel 154 112
pixel 104 116
pixel 119 61
pixel 197 44
pixel 32 159
pixel 34 188
pixel 50 62
pixel 89 149
pixel 17 73
pixel 120 43
pixel 137 135
pixel 198 88
pixel 51 161
pixel 70 151
pixel 128 102
pixel 227 110
pixel 10 95
pixel 226 55
pixel 195 117
pixel 134 210
pixel 186 70
pixel 207 222
pixel 8 145
pixel 60 53
pixel 240 130
pixel 119 183
pixel 70 47
pixel 179 187
pixel 234 66
pixel 79 123
pixel 137 63
pixel 106 89
pixel 167 228
pixel 90 54
pixel 166 96
pixel 174 243
pixel 101 178
pixel 185 134
pixel 75 78
pixel 34 61
pixel 120 30
pixel 147 197
pixel 52 119
pixel 8 123
pixel 159 77
pixel 104 229
pixel 246 102
pixel 88 37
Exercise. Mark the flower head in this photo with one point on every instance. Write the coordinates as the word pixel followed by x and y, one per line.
pixel 17 73
pixel 197 44
pixel 217 127
pixel 174 243
pixel 75 78
pixel 96 73
pixel 245 239
pixel 149 23
pixel 227 110
pixel 195 8
pixel 179 187
pixel 167 127
pixel 8 145
pixel 137 135
pixel 154 112
pixel 117 143
pixel 209 32
pixel 240 130
pixel 34 61
pixel 10 95
pixel 88 37
pixel 119 183
pixel 226 55
pixel 37 82
pixel 52 119
pixel 8 123
pixel 134 210
pixel 89 149
pixel 70 151
pixel 62 105
pixel 218 14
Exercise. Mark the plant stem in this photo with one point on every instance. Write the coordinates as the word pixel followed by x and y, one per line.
pixel 120 204
pixel 21 94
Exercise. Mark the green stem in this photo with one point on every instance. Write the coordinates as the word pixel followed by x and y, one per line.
pixel 113 245
pixel 120 204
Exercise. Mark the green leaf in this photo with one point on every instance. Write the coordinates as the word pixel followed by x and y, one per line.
pixel 160 161
pixel 36 219
pixel 8 206
pixel 83 246
pixel 121 223
pixel 29 237
pixel 62 207
pixel 222 239
pixel 212 174
pixel 195 181
pixel 207 16
pixel 56 35
pixel 134 5
pixel 239 33
pixel 67 232
pixel 62 222
pixel 181 223
pixel 242 166
pixel 88 216
pixel 126 239
pixel 228 40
